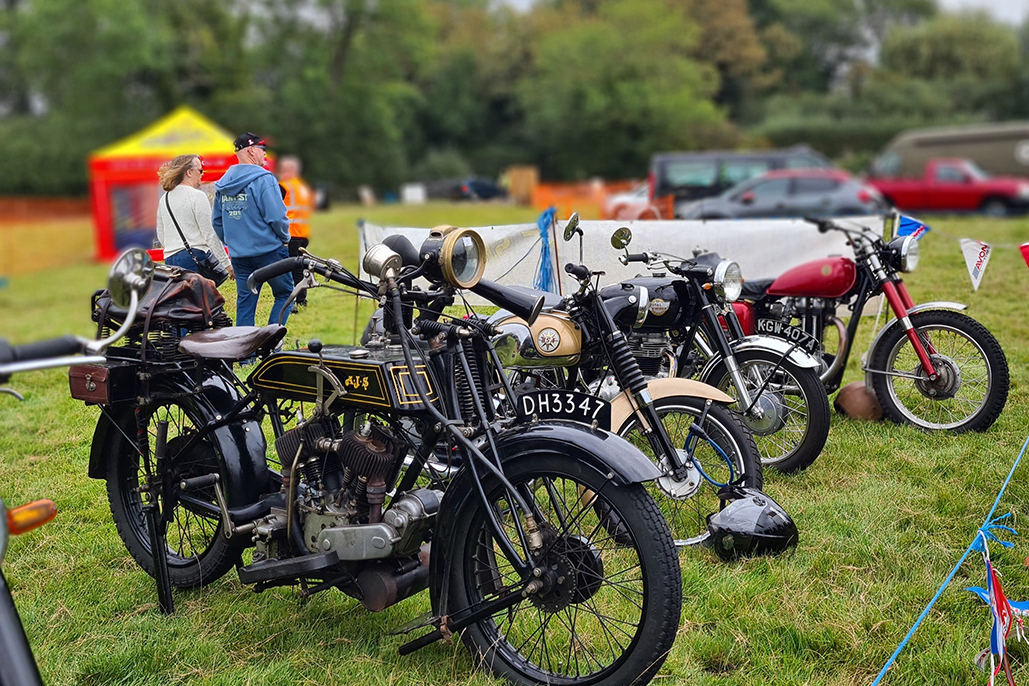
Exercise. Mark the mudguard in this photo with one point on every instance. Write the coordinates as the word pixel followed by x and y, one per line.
pixel 241 443
pixel 622 406
pixel 776 345
pixel 588 449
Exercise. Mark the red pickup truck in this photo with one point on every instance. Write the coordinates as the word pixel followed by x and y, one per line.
pixel 955 185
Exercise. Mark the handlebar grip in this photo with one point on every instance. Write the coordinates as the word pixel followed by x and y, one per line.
pixel 40 350
pixel 272 270
pixel 579 271
pixel 824 225
pixel 637 257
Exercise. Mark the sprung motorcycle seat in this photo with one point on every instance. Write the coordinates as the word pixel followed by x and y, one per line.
pixel 231 342
pixel 756 289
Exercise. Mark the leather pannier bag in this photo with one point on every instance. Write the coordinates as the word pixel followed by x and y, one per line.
pixel 102 384
pixel 176 296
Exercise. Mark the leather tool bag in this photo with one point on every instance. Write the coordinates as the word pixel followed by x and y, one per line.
pixel 182 298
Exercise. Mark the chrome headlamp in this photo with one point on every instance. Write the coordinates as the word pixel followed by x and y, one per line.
pixel 904 253
pixel 455 256
pixel 381 262
pixel 728 281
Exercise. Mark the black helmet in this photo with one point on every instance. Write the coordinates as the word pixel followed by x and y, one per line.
pixel 750 523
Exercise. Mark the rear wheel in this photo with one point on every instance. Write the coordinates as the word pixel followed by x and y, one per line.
pixel 794 410
pixel 972 387
pixel 687 502
pixel 197 552
pixel 604 611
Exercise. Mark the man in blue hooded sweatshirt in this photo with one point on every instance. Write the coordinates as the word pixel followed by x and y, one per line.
pixel 249 216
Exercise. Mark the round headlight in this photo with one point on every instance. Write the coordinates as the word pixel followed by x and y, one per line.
pixel 456 256
pixel 905 253
pixel 728 281
pixel 381 262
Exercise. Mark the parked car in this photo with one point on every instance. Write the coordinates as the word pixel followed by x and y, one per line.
pixel 633 204
pixel 790 193
pixel 476 188
pixel 955 185
pixel 695 175
pixel 1000 148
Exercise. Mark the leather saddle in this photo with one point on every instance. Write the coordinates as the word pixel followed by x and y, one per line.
pixel 232 342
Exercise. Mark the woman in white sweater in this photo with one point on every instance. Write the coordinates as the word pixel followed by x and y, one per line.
pixel 181 178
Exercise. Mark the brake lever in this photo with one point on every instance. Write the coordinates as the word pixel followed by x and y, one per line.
pixel 328 263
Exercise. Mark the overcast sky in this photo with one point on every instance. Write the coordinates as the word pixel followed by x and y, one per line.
pixel 1011 11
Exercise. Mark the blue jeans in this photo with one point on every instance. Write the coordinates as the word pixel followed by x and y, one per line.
pixel 246 302
pixel 182 259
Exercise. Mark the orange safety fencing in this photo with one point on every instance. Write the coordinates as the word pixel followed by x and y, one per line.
pixel 24 210
pixel 591 200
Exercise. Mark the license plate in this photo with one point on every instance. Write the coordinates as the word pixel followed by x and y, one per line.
pixel 780 329
pixel 567 405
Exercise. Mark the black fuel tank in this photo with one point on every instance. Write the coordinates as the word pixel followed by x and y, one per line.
pixel 372 378
pixel 668 303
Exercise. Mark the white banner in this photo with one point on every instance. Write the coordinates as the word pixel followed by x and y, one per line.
pixel 764 248
pixel 977 256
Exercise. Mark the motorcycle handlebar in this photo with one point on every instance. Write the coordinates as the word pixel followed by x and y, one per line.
pixel 637 257
pixel 579 271
pixel 824 225
pixel 40 350
pixel 274 269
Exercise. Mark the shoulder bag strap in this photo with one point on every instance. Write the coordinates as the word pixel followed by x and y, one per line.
pixel 167 202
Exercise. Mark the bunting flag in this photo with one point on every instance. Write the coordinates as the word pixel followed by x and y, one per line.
pixel 977 256
pixel 1002 610
pixel 909 226
pixel 1024 248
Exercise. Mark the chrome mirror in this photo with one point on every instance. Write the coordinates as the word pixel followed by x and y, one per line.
pixel 131 274
pixel 572 227
pixel 621 238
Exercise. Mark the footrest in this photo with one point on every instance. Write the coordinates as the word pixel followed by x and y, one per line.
pixel 292 568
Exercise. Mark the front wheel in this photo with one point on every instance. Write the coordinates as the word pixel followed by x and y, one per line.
pixel 790 420
pixel 687 502
pixel 604 611
pixel 972 383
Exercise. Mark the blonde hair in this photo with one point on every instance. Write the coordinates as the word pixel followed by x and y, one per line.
pixel 172 173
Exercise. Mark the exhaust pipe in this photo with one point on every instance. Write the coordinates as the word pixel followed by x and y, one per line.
pixel 383 584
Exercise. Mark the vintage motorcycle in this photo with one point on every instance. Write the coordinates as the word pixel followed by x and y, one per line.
pixel 128 280
pixel 931 366
pixel 686 328
pixel 544 539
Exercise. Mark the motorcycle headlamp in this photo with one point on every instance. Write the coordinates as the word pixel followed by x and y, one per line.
pixel 728 281
pixel 904 253
pixel 454 256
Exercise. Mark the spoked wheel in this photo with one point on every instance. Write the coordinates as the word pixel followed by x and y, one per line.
pixel 687 502
pixel 197 552
pixel 973 374
pixel 602 612
pixel 791 423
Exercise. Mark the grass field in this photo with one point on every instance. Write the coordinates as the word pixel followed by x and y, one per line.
pixel 884 513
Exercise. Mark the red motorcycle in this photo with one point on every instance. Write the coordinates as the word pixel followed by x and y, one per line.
pixel 931 366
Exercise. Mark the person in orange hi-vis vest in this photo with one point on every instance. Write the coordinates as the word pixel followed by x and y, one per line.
pixel 298 197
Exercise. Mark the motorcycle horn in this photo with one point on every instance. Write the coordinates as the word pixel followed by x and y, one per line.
pixel 454 256
pixel 750 524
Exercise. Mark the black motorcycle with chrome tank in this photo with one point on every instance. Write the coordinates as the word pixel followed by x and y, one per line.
pixel 543 539
pixel 680 322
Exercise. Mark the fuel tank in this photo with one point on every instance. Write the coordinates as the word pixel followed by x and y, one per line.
pixel 553 340
pixel 831 277
pixel 667 303
pixel 373 378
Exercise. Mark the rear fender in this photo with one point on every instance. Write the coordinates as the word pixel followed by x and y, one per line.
pixel 623 407
pixel 240 443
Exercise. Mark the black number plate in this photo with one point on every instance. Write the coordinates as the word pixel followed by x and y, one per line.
pixel 780 329
pixel 569 405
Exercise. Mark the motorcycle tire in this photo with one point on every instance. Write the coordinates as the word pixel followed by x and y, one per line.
pixel 686 506
pixel 197 552
pixel 611 606
pixel 795 426
pixel 973 384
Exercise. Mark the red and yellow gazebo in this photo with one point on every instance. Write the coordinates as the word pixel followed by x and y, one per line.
pixel 123 182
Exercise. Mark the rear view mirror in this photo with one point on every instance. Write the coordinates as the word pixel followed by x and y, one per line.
pixel 572 227
pixel 621 238
pixel 131 273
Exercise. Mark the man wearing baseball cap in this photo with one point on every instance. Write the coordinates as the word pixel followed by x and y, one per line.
pixel 249 216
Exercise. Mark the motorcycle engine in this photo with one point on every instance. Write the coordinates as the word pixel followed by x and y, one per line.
pixel 649 349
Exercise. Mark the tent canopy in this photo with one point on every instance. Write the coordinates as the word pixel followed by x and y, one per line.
pixel 183 131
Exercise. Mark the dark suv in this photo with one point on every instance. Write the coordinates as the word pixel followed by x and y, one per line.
pixel 695 175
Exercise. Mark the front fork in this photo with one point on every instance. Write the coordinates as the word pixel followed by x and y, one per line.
pixel 899 299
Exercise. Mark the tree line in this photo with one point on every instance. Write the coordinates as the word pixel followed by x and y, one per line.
pixel 382 91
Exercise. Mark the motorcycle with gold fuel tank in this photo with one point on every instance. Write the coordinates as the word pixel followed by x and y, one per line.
pixel 544 552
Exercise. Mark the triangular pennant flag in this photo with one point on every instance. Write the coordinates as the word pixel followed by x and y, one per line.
pixel 977 255
pixel 909 226
pixel 1025 252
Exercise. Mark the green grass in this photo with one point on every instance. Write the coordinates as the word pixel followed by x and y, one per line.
pixel 884 513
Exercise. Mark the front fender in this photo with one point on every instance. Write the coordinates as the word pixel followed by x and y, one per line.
pixel 623 407
pixel 921 307
pixel 779 346
pixel 240 443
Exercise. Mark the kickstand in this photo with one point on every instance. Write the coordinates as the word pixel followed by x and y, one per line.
pixel 156 524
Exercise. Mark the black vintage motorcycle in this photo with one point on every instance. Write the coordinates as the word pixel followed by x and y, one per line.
pixel 129 279
pixel 547 554
pixel 687 327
